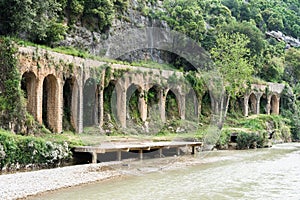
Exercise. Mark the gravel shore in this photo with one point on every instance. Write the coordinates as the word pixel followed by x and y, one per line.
pixel 23 184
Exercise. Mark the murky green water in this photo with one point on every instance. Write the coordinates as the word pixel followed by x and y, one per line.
pixel 255 174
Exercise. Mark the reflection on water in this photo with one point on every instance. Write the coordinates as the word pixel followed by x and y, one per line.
pixel 255 174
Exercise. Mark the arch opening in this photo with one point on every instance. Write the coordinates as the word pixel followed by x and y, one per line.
pixel 28 85
pixel 263 105
pixel 274 105
pixel 90 102
pixel 172 106
pixel 191 106
pixel 153 98
pixel 133 104
pixel 50 102
pixel 206 108
pixel 252 104
pixel 70 107
pixel 109 122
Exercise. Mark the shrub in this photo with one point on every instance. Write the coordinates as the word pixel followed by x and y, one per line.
pixel 250 140
pixel 24 150
pixel 224 138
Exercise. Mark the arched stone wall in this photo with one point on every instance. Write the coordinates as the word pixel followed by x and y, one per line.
pixel 274 104
pixel 178 106
pixel 252 103
pixel 107 102
pixel 54 67
pixel 71 103
pixel 263 105
pixel 90 103
pixel 120 101
pixel 135 95
pixel 191 105
pixel 154 101
pixel 28 85
pixel 51 103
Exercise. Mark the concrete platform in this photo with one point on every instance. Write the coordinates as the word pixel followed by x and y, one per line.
pixel 136 146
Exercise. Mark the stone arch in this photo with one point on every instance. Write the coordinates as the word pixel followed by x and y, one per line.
pixel 90 103
pixel 109 104
pixel 134 99
pixel 252 104
pixel 50 103
pixel 119 99
pixel 263 105
pixel 191 105
pixel 236 106
pixel 177 43
pixel 274 104
pixel 172 105
pixel 70 104
pixel 206 106
pixel 28 85
pixel 153 99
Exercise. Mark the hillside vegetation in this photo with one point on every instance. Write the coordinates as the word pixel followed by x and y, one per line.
pixel 273 59
pixel 254 41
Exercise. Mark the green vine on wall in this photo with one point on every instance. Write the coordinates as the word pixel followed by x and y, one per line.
pixel 107 77
pixel 196 83
pixel 12 101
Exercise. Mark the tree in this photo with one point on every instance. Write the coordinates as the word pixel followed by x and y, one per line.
pixel 230 57
pixel 292 66
pixel 34 20
pixel 98 12
pixel 184 16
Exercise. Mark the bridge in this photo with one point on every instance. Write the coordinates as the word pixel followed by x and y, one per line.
pixel 61 88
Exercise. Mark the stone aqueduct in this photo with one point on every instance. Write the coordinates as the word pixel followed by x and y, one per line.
pixel 46 76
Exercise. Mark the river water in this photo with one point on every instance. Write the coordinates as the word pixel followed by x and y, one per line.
pixel 250 174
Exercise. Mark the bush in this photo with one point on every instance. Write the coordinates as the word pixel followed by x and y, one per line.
pixel 250 140
pixel 224 138
pixel 21 150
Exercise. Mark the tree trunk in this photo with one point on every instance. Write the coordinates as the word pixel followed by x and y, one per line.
pixel 227 105
pixel 221 111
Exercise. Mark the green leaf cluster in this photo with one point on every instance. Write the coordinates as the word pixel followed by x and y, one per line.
pixel 12 107
pixel 35 20
pixel 24 150
pixel 250 140
pixel 230 57
pixel 278 15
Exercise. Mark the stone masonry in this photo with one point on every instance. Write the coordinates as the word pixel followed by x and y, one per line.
pixel 44 74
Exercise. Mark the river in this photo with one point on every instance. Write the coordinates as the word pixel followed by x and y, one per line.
pixel 272 173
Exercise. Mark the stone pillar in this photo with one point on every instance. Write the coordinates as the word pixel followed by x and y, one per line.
pixel 96 107
pixel 274 104
pixel 74 105
pixel 59 107
pixel 276 111
pixel 196 106
pixel 121 104
pixel 143 107
pixel 246 106
pixel 181 104
pixel 162 106
pixel 100 108
pixel 269 105
pixel 199 107
pixel 80 106
pixel 258 97
pixel 39 100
